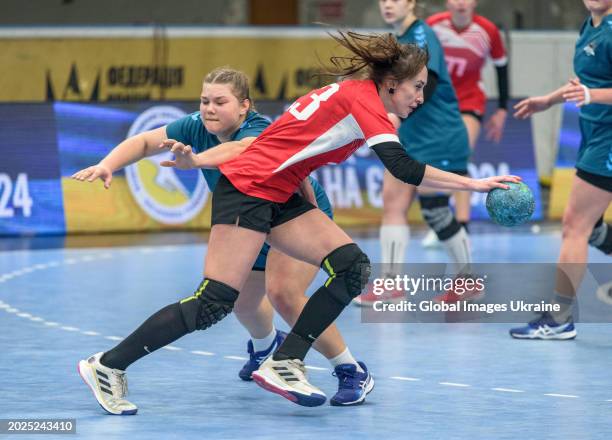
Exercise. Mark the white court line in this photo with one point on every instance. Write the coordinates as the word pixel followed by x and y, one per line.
pixel 36 319
pixel 172 348
pixel 408 379
pixel 236 358
pixel 113 338
pixel 316 368
pixel 565 396
pixel 507 390
pixel 51 323
pixel 70 329
pixel 24 315
pixel 202 353
pixel 91 333
pixel 453 384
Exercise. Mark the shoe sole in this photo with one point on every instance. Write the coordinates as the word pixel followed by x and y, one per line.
pixel 561 337
pixel 298 398
pixel 359 401
pixel 84 371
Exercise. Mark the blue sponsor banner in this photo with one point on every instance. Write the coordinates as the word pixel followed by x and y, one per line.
pixel 30 188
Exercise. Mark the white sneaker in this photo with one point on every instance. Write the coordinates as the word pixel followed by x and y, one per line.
pixel 109 386
pixel 288 379
pixel 431 240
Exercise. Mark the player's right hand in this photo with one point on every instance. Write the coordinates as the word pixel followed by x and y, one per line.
pixel 95 172
pixel 184 157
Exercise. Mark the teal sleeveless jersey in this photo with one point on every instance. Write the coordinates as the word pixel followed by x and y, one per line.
pixel 593 65
pixel 435 133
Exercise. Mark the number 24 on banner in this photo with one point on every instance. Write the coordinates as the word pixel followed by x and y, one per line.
pixel 21 195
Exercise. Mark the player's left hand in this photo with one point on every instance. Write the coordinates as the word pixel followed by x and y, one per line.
pixel 495 125
pixel 486 185
pixel 575 92
pixel 184 157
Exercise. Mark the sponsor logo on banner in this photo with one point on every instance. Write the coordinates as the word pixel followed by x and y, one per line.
pixel 118 83
pixel 167 195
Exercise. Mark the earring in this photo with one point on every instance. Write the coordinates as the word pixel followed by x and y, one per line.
pixel 391 91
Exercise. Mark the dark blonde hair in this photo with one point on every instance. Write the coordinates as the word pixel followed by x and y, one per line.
pixel 237 79
pixel 376 57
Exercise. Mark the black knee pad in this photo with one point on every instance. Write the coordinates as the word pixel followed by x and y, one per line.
pixel 212 302
pixel 438 215
pixel 601 237
pixel 349 271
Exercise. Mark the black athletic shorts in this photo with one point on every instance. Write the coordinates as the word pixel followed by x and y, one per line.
pixel 602 182
pixel 232 207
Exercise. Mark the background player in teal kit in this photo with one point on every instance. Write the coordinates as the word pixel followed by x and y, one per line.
pixel 434 134
pixel 591 191
pixel 227 116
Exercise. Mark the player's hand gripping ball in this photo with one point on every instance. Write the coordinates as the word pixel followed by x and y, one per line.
pixel 511 207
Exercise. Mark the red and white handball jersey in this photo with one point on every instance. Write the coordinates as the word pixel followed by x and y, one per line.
pixel 465 52
pixel 326 126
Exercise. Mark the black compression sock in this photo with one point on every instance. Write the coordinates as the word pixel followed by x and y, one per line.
pixel 162 328
pixel 319 313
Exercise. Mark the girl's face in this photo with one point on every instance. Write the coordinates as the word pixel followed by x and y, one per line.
pixel 395 11
pixel 598 6
pixel 408 94
pixel 461 8
pixel 221 112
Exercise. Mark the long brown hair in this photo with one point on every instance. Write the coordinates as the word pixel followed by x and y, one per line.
pixel 376 57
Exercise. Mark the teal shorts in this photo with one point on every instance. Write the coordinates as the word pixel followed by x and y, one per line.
pixel 595 153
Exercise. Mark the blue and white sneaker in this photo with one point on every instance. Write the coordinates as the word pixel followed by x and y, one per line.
pixel 256 358
pixel 545 327
pixel 353 386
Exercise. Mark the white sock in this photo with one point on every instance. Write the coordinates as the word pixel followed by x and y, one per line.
pixel 393 241
pixel 345 358
pixel 264 343
pixel 458 249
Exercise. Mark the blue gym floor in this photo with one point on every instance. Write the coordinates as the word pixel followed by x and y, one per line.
pixel 59 304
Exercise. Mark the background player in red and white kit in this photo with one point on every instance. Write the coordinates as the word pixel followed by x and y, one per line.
pixel 255 201
pixel 468 39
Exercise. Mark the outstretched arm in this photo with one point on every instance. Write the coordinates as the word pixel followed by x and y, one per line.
pixel 529 106
pixel 186 159
pixel 408 170
pixel 127 152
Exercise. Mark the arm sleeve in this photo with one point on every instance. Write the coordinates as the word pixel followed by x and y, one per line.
pixel 399 163
pixel 502 85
